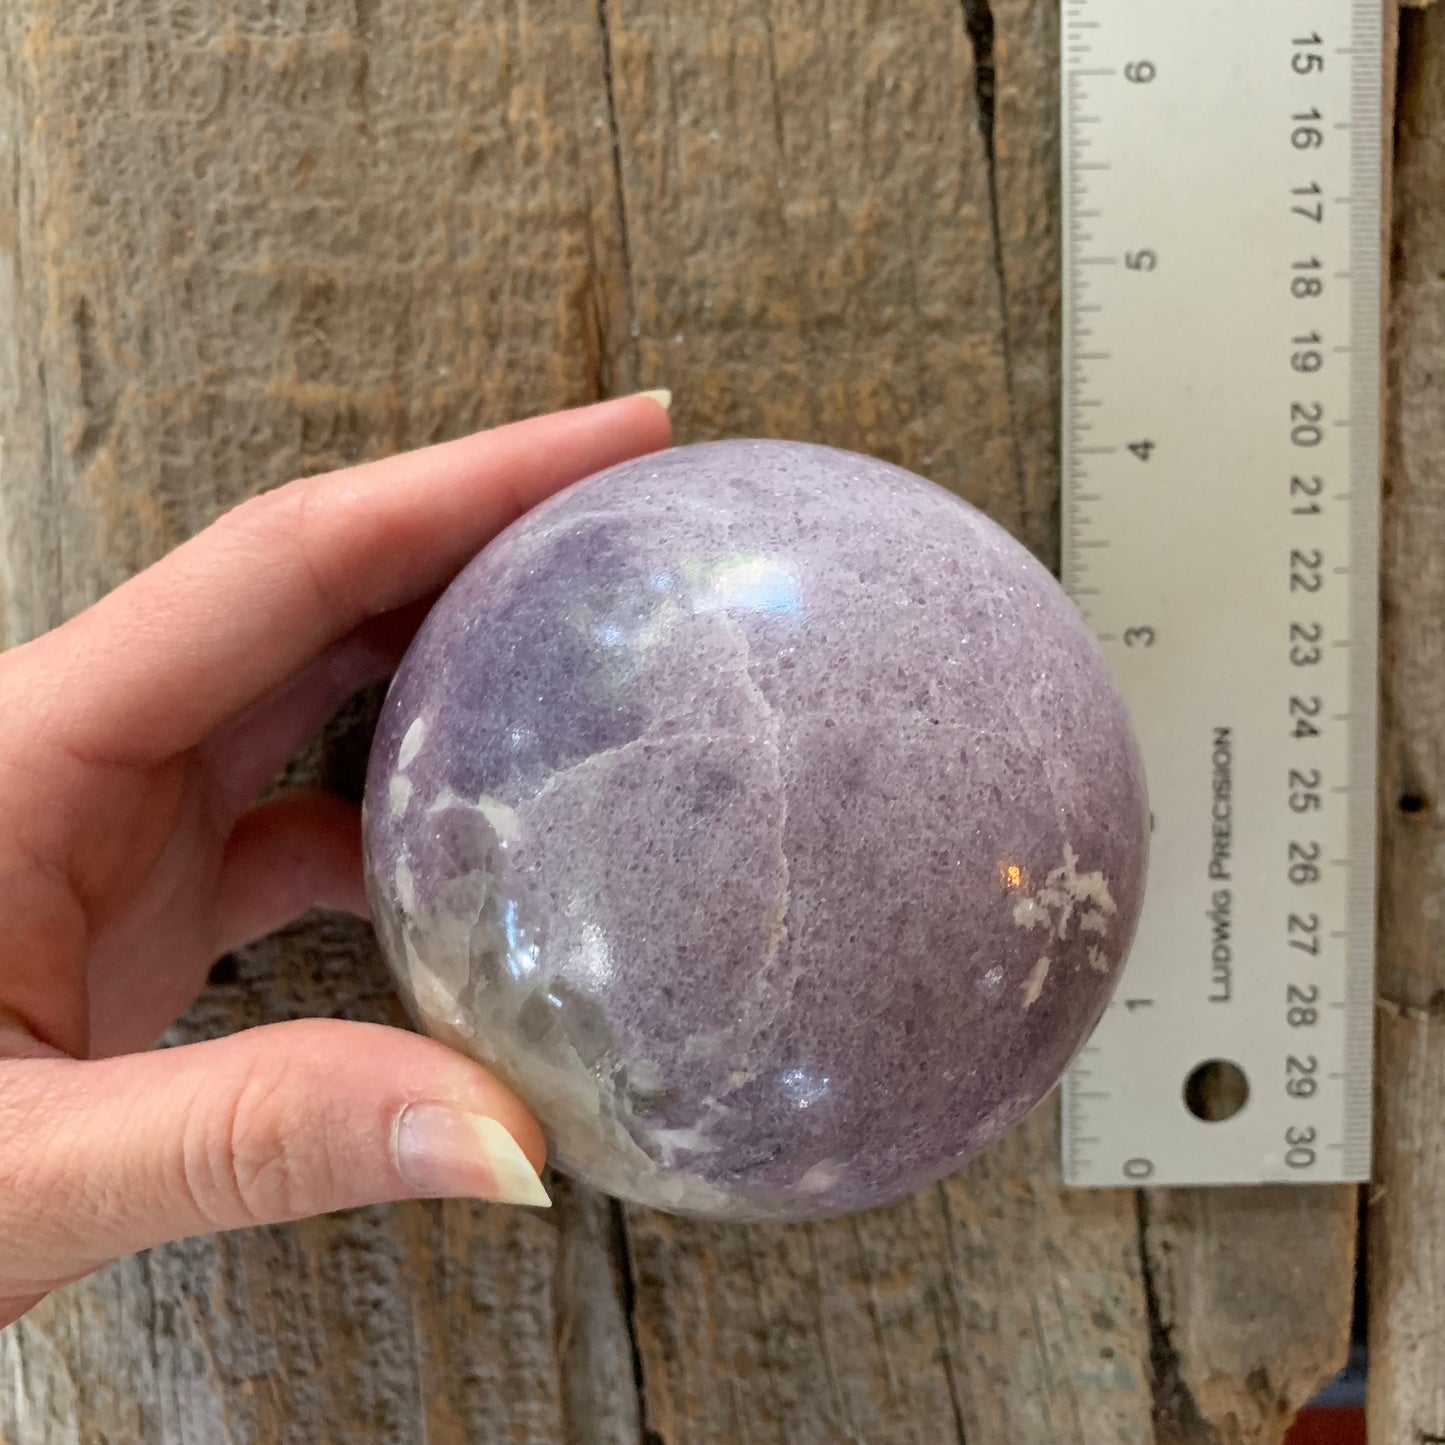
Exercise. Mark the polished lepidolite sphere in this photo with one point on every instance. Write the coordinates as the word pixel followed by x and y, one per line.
pixel 767 818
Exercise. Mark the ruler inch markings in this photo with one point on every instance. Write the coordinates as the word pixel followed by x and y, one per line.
pixel 1232 345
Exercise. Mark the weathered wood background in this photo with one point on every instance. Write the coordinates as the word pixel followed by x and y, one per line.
pixel 245 239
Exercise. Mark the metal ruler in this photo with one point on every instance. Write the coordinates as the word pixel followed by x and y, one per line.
pixel 1221 182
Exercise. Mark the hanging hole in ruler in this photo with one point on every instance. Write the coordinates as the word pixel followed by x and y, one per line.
pixel 1216 1090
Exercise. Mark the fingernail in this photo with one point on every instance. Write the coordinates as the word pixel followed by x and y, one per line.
pixel 445 1153
pixel 662 396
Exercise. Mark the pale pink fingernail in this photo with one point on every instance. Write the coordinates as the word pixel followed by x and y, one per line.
pixel 443 1152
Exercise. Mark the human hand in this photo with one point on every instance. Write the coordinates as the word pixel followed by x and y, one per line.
pixel 134 741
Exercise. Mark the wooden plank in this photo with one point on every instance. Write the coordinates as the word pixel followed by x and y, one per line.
pixel 238 243
pixel 307 234
pixel 1250 1295
pixel 1406 1226
pixel 1247 1291
pixel 1263 1316
pixel 994 1308
pixel 1231 1351
pixel 810 227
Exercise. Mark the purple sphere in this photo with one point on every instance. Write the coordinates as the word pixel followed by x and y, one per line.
pixel 766 817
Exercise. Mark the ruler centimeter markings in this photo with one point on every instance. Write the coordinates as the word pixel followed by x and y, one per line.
pixel 1221 384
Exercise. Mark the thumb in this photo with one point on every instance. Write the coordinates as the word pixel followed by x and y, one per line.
pixel 102 1158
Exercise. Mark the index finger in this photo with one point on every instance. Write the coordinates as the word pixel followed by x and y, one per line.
pixel 171 654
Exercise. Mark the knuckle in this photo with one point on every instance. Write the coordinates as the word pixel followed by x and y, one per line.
pixel 319 503
pixel 297 520
pixel 262 514
pixel 256 1165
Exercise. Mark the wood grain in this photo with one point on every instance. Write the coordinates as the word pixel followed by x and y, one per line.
pixel 995 1307
pixel 816 256
pixel 1232 1352
pixel 1406 1223
pixel 241 242
pixel 808 228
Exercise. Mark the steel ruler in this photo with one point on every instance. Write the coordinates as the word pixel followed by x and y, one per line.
pixel 1222 278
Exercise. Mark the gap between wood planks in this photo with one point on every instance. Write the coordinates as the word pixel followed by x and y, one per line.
pixel 1176 1412
pixel 605 379
pixel 979 26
